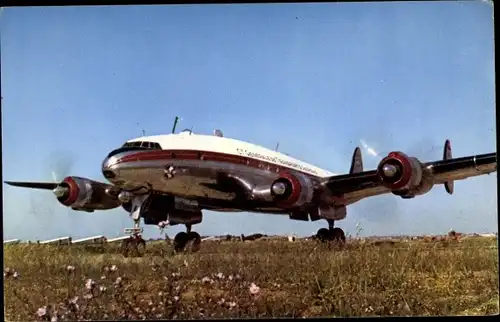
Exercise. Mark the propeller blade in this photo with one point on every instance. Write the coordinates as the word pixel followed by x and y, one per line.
pixel 33 185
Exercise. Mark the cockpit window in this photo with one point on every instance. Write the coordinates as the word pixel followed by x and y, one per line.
pixel 142 144
pixel 137 145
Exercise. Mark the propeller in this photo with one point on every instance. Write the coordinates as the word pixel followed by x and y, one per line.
pixel 385 210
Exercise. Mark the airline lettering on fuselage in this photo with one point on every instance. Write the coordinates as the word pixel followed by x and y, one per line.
pixel 289 164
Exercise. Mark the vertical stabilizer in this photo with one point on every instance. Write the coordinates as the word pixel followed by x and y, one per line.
pixel 356 162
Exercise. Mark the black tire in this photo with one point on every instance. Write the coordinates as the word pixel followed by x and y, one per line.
pixel 338 236
pixel 125 247
pixel 195 240
pixel 140 247
pixel 323 235
pixel 180 241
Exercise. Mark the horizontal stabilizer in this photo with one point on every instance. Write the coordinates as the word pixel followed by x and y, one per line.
pixel 33 185
pixel 356 162
pixel 447 155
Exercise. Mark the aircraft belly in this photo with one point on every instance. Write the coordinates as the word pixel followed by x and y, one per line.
pixel 189 178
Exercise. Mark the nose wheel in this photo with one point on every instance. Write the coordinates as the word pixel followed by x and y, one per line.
pixel 134 246
pixel 331 234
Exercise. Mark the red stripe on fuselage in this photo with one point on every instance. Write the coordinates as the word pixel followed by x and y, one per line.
pixel 156 155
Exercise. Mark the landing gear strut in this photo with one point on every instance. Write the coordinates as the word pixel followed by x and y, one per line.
pixel 135 244
pixel 336 234
pixel 182 239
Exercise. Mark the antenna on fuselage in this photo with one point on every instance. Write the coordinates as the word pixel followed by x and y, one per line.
pixel 175 124
pixel 218 133
pixel 277 146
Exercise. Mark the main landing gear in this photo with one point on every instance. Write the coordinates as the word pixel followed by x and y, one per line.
pixel 190 240
pixel 335 235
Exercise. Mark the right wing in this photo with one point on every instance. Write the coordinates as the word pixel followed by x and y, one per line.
pixel 407 176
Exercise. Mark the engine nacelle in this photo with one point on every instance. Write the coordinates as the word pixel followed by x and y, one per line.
pixel 404 175
pixel 291 190
pixel 85 194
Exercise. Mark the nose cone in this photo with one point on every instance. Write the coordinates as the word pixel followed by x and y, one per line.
pixel 107 165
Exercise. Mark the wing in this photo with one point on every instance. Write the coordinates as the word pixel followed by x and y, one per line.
pixel 407 176
pixel 78 193
pixel 33 185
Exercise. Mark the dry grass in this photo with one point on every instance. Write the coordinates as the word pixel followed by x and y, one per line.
pixel 299 279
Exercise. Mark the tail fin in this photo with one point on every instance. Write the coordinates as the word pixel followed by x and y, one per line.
pixel 448 185
pixel 356 162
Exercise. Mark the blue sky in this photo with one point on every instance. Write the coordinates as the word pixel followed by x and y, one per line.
pixel 78 82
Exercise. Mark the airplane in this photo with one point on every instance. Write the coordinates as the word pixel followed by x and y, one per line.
pixel 170 179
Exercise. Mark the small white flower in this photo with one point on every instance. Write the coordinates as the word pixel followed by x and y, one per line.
pixel 53 318
pixel 102 288
pixel 103 277
pixel 232 305
pixel 176 298
pixel 113 268
pixel 16 275
pixel 88 296
pixel 89 284
pixel 230 277
pixel 186 263
pixel 42 311
pixel 220 276
pixel 254 289
pixel 160 293
pixel 118 280
pixel 221 301
pixel 74 300
pixel 207 280
pixel 70 268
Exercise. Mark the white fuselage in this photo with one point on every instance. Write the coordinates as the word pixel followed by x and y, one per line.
pixel 189 141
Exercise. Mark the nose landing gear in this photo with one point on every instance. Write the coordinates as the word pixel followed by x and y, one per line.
pixel 135 244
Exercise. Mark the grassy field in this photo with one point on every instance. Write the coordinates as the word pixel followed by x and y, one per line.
pixel 252 279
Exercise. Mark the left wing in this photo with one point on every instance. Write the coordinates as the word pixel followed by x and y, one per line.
pixel 407 176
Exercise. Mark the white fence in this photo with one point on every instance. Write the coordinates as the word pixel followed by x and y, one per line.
pixel 67 240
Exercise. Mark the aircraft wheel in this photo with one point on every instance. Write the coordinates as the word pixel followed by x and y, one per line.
pixel 125 247
pixel 323 234
pixel 194 240
pixel 338 236
pixel 180 241
pixel 140 247
pixel 133 246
